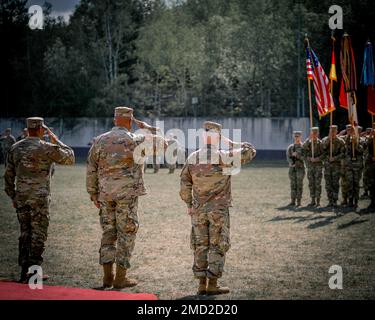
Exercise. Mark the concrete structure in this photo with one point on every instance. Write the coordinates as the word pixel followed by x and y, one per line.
pixel 270 136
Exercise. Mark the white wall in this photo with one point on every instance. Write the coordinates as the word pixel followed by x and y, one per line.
pixel 263 133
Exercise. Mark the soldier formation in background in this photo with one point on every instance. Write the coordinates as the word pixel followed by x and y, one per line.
pixel 345 156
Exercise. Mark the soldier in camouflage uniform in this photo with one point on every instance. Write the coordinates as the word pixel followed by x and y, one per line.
pixel 353 165
pixel 206 190
pixel 313 153
pixel 370 165
pixel 296 168
pixel 27 183
pixel 115 168
pixel 332 164
pixel 7 140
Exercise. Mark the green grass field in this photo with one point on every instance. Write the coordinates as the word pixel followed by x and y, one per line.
pixel 276 253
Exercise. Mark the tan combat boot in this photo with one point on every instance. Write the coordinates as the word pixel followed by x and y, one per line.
pixel 298 202
pixel 121 281
pixel 214 289
pixel 202 289
pixel 108 275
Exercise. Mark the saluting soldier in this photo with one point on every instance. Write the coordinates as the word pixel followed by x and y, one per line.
pixel 296 168
pixel 353 165
pixel 334 153
pixel 313 153
pixel 27 183
pixel 115 181
pixel 206 190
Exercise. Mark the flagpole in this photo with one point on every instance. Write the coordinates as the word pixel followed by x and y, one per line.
pixel 331 114
pixel 310 100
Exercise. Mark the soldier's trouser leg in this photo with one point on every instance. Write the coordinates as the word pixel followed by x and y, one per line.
pixel 336 174
pixel 219 239
pixel 299 181
pixel 33 216
pixel 199 241
pixel 328 177
pixel 349 176
pixel 366 179
pixel 344 182
pixel 315 175
pixel 119 222
pixel 127 228
pixel 293 183
pixel 172 168
pixel 356 183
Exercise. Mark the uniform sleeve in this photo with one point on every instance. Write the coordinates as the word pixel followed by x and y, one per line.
pixel 61 153
pixel 92 179
pixel 289 155
pixel 10 176
pixel 245 149
pixel 186 185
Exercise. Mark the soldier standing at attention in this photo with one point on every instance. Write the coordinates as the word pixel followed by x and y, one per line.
pixel 173 146
pixel 353 166
pixel 370 165
pixel 206 190
pixel 7 141
pixel 27 183
pixel 313 154
pixel 332 164
pixel 296 168
pixel 114 182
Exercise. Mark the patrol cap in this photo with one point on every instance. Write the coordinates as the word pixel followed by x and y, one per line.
pixel 297 133
pixel 315 129
pixel 212 126
pixel 360 128
pixel 34 123
pixel 349 126
pixel 124 112
pixel 8 129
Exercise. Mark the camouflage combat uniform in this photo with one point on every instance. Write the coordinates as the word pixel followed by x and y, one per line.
pixel 27 183
pixel 296 171
pixel 117 179
pixel 7 142
pixel 332 169
pixel 314 169
pixel 353 166
pixel 205 189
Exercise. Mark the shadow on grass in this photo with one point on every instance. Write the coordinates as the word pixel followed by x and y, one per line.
pixel 323 220
pixel 351 223
pixel 197 298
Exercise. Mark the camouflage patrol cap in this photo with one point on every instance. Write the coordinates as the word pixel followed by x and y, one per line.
pixel 34 123
pixel 124 112
pixel 297 133
pixel 212 126
pixel 315 129
pixel 334 127
pixel 349 126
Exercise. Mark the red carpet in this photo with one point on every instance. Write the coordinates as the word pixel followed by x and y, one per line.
pixel 16 291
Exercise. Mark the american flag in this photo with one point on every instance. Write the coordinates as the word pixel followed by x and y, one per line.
pixel 323 96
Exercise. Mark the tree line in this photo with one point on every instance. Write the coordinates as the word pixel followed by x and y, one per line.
pixel 174 58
